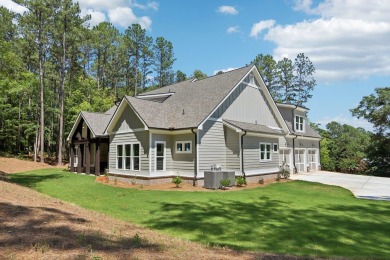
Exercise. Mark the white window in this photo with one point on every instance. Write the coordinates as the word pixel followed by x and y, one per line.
pixel 265 152
pixel 275 147
pixel 183 147
pixel 128 156
pixel 299 123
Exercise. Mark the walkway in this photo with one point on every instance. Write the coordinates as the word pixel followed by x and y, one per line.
pixel 364 187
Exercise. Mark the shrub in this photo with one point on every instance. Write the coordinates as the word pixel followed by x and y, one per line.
pixel 240 181
pixel 284 171
pixel 225 182
pixel 177 180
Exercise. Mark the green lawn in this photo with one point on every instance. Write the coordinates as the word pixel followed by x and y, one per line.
pixel 295 218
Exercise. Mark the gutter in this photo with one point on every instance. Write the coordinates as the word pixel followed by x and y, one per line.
pixel 196 159
pixel 242 155
pixel 296 136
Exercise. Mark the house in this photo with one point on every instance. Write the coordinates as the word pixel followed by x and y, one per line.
pixel 182 129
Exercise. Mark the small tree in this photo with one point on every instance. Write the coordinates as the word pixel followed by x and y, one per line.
pixel 177 180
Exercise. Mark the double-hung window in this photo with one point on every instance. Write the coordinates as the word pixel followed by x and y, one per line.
pixel 183 147
pixel 128 157
pixel 299 123
pixel 265 152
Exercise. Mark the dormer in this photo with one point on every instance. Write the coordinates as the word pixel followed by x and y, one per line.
pixel 295 116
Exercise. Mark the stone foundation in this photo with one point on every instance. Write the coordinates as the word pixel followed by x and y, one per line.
pixel 254 178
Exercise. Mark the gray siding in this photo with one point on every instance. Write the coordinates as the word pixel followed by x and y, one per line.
pixel 212 145
pixel 128 121
pixel 252 153
pixel 232 141
pixel 247 104
pixel 141 137
pixel 183 162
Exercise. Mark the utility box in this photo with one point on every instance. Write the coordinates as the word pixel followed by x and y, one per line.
pixel 212 179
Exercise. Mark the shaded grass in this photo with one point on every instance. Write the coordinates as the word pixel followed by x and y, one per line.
pixel 299 218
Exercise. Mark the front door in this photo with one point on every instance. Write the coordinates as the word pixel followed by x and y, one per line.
pixel 160 156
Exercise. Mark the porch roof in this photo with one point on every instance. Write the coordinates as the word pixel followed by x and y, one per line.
pixel 254 128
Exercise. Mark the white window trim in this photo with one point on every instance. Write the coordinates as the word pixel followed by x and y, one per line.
pixel 303 124
pixel 273 148
pixel 183 146
pixel 270 152
pixel 124 157
pixel 155 156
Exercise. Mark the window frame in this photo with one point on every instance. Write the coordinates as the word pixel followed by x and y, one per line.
pixel 265 152
pixel 124 156
pixel 301 125
pixel 183 144
pixel 273 148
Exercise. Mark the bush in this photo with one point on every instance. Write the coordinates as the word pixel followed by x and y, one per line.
pixel 177 180
pixel 240 181
pixel 225 182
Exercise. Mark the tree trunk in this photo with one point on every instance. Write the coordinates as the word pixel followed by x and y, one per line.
pixel 61 97
pixel 42 93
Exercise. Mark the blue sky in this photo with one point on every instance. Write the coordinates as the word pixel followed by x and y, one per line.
pixel 347 40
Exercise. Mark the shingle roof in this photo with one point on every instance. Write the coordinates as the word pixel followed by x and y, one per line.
pixel 256 128
pixel 97 122
pixel 191 102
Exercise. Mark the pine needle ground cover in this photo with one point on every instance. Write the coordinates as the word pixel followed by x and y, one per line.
pixel 296 218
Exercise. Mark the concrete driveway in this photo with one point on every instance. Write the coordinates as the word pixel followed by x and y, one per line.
pixel 364 187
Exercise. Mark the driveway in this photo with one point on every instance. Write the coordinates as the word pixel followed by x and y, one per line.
pixel 364 187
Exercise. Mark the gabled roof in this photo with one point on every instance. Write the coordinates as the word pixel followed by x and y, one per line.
pixel 254 128
pixel 96 122
pixel 191 102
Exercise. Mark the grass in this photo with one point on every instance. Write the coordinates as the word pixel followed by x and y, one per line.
pixel 298 218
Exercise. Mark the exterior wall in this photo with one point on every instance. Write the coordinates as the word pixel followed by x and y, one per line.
pixel 232 143
pixel 128 121
pixel 252 164
pixel 183 163
pixel 142 137
pixel 211 146
pixel 247 104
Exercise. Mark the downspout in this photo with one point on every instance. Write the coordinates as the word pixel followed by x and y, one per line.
pixel 293 126
pixel 319 156
pixel 196 159
pixel 242 155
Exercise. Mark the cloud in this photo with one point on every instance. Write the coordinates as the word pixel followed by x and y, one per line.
pixel 118 12
pixel 343 119
pixel 124 16
pixel 232 29
pixel 223 70
pixel 13 6
pixel 225 9
pixel 257 28
pixel 348 39
pixel 96 16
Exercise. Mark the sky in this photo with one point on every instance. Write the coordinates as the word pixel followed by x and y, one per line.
pixel 347 40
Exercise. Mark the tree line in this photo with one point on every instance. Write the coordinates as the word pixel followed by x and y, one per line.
pixel 53 65
pixel 347 149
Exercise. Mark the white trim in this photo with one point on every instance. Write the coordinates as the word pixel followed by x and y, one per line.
pixel 299 123
pixel 263 135
pixel 215 119
pixel 155 156
pixel 150 152
pixel 73 130
pixel 265 152
pixel 302 137
pixel 241 151
pixel 183 143
pixel 297 108
pixel 197 151
pixel 170 132
pixel 238 130
pixel 250 85
pixel 155 95
pixel 115 117
pixel 128 131
pixel 249 173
